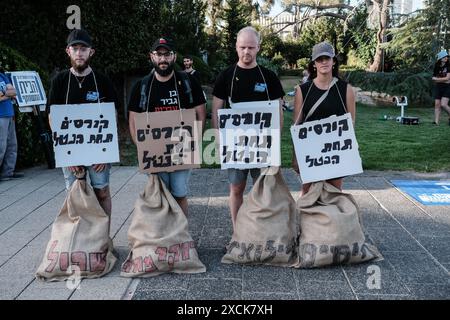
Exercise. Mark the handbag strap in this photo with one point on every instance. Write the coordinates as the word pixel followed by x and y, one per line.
pixel 324 95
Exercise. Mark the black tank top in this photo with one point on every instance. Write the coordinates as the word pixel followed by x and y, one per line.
pixel 332 104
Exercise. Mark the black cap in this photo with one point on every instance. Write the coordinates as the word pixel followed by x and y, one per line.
pixel 79 36
pixel 164 43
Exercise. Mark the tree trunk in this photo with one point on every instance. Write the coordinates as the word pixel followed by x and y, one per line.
pixel 383 19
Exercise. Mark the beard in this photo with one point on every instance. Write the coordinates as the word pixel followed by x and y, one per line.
pixel 163 72
pixel 80 67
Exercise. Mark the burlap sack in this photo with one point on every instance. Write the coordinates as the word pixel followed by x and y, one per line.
pixel 266 230
pixel 331 228
pixel 79 245
pixel 158 236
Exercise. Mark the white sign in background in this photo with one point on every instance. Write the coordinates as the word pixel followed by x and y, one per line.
pixel 30 91
pixel 84 134
pixel 250 135
pixel 326 149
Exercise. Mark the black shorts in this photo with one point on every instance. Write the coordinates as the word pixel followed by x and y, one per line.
pixel 441 90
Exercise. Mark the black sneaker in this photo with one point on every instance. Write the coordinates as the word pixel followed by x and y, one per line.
pixel 436 124
pixel 17 175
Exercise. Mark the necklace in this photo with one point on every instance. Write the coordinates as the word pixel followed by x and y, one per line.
pixel 80 83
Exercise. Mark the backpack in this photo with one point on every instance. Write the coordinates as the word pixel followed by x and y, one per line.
pixel 185 84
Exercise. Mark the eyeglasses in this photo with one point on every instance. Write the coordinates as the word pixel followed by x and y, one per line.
pixel 167 54
pixel 82 49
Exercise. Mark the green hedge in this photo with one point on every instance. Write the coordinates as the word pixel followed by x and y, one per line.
pixel 29 148
pixel 417 86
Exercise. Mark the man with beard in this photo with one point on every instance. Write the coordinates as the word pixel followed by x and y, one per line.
pixel 244 81
pixel 188 63
pixel 77 85
pixel 165 90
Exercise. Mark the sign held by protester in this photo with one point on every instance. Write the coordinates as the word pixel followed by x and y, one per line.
pixel 84 134
pixel 29 89
pixel 326 148
pixel 168 141
pixel 250 135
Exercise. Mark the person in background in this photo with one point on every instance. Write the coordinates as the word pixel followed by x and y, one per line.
pixel 441 88
pixel 8 139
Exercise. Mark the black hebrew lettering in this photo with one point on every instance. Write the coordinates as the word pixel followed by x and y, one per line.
pixel 65 124
pixel 267 118
pixel 156 133
pixel 232 245
pixel 336 145
pixel 271 249
pixel 311 161
pixel 326 147
pixel 318 162
pixel 140 136
pixel 248 118
pixel 327 160
pixel 341 254
pixel 236 119
pixel 169 148
pixel 327 127
pixel 258 252
pixel 109 138
pixel 323 249
pixel 257 118
pixel 318 129
pixel 308 254
pixel 335 159
pixel 291 249
pixel 78 123
pixel 223 120
pixel 89 123
pixel 347 144
pixel 302 133
pixel 167 131
pixel 245 251
pixel 343 126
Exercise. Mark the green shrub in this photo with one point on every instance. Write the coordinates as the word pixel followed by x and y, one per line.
pixel 291 72
pixel 268 64
pixel 29 148
pixel 302 63
pixel 417 86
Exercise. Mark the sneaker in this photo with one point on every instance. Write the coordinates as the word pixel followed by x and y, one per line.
pixel 436 124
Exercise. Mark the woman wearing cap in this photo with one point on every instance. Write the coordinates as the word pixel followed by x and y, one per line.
pixel 441 89
pixel 323 75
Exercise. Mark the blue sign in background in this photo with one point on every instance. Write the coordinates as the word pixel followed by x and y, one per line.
pixel 425 191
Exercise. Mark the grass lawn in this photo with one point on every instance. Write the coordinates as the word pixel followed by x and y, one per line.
pixel 383 144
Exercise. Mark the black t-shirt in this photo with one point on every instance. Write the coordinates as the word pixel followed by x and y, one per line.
pixel 332 105
pixel 441 71
pixel 164 95
pixel 86 94
pixel 248 85
pixel 194 73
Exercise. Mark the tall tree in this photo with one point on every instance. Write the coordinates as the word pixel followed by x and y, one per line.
pixel 237 15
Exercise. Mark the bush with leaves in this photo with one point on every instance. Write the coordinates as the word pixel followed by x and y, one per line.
pixel 416 86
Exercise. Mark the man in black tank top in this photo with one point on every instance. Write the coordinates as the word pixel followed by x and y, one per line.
pixel 322 68
pixel 244 82
pixel 77 85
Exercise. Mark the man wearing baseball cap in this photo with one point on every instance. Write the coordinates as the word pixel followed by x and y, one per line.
pixel 441 88
pixel 165 89
pixel 79 85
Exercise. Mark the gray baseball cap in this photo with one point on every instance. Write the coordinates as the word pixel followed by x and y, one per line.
pixel 322 49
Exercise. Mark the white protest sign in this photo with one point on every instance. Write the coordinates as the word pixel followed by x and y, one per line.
pixel 168 141
pixel 250 135
pixel 84 134
pixel 29 89
pixel 326 148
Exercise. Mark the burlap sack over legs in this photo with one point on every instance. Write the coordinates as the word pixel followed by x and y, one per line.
pixel 158 236
pixel 331 229
pixel 79 245
pixel 266 230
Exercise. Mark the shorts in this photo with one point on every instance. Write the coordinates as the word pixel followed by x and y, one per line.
pixel 177 182
pixel 99 180
pixel 237 176
pixel 441 90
